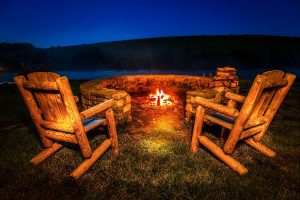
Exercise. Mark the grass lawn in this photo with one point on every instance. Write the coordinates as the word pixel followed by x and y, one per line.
pixel 154 160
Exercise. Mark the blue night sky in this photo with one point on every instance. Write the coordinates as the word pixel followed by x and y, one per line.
pixel 47 23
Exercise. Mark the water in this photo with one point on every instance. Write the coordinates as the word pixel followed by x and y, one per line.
pixel 77 75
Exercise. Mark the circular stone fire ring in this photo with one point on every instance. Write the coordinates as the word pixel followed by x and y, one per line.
pixel 119 88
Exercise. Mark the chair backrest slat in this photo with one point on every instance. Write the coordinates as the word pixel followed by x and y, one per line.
pixel 51 104
pixel 267 94
pixel 41 86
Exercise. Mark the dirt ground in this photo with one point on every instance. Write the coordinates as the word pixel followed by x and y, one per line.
pixel 152 119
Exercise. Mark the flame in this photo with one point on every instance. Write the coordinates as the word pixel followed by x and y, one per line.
pixel 160 98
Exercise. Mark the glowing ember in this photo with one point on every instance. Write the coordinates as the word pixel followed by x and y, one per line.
pixel 160 99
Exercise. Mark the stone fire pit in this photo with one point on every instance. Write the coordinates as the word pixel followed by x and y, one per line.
pixel 120 89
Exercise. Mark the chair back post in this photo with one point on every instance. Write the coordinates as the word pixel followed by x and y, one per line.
pixel 247 108
pixel 71 107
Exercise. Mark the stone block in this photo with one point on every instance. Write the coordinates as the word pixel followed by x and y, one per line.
pixel 189 107
pixel 199 99
pixel 234 84
pixel 119 103
pixel 219 89
pixel 222 74
pixel 205 93
pixel 128 99
pixel 127 108
pixel 228 68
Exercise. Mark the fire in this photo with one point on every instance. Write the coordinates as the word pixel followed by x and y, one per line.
pixel 160 99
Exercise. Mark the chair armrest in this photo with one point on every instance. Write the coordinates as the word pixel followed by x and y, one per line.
pixel 96 109
pixel 235 97
pixel 76 99
pixel 218 107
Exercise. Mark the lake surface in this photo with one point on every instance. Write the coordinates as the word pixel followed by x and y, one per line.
pixel 78 75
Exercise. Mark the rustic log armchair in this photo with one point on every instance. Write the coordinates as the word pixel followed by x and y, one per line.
pixel 51 104
pixel 250 123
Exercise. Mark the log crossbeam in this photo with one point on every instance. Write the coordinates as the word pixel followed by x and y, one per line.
pixel 87 163
pixel 235 97
pixel 260 147
pixel 231 112
pixel 217 151
pixel 46 153
pixel 41 85
pixel 96 109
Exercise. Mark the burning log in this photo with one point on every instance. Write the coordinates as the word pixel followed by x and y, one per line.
pixel 160 99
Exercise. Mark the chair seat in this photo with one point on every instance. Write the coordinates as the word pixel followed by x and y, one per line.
pixel 93 122
pixel 220 119
pixel 223 117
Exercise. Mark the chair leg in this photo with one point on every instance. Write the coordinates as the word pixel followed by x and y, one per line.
pixel 217 151
pixel 261 148
pixel 223 134
pixel 46 153
pixel 112 130
pixel 87 163
pixel 197 129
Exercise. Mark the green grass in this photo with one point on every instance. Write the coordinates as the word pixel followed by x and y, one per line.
pixel 154 164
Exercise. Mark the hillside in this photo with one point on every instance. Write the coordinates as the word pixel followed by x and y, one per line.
pixel 169 53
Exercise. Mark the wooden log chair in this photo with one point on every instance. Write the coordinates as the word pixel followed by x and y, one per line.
pixel 52 106
pixel 248 124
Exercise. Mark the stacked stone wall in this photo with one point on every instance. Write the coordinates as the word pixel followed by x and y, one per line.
pixel 119 88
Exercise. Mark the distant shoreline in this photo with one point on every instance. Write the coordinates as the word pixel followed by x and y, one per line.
pixel 94 74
